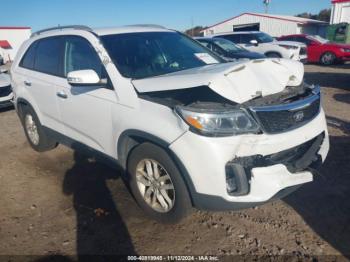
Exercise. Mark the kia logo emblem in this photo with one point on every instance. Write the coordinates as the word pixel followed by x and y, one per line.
pixel 299 116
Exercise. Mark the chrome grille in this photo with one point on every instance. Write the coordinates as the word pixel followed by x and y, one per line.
pixel 285 117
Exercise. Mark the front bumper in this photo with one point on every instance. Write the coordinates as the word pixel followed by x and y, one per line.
pixel 6 101
pixel 205 160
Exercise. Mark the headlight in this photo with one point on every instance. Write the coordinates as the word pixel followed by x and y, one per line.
pixel 289 47
pixel 218 122
pixel 345 50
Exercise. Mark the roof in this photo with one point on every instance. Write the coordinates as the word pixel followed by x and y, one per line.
pixel 5 44
pixel 340 1
pixel 14 27
pixel 103 31
pixel 299 20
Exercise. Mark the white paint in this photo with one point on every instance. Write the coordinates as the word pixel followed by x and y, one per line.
pixel 15 37
pixel 238 82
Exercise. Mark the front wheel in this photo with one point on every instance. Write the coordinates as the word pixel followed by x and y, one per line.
pixel 328 58
pixel 157 184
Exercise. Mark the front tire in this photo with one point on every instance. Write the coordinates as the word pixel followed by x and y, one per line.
pixel 328 58
pixel 34 131
pixel 157 184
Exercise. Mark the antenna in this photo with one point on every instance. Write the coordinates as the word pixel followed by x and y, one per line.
pixel 267 3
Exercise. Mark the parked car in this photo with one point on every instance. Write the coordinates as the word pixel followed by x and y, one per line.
pixel 263 43
pixel 6 94
pixel 187 129
pixel 339 33
pixel 228 50
pixel 320 50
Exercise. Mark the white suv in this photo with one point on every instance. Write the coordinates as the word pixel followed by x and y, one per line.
pixel 261 42
pixel 188 129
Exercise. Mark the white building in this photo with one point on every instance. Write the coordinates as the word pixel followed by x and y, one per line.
pixel 275 25
pixel 340 11
pixel 11 39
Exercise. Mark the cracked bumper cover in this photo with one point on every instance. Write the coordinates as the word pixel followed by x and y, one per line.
pixel 270 171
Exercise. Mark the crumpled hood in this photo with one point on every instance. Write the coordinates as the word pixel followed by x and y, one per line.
pixel 4 80
pixel 238 82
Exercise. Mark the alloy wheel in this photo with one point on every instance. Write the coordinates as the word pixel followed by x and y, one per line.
pixel 32 129
pixel 155 185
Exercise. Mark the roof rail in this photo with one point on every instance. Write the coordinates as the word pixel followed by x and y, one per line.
pixel 148 25
pixel 77 27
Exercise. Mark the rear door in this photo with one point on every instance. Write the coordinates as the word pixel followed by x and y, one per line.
pixel 39 72
pixel 86 110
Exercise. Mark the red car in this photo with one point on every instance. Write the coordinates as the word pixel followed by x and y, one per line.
pixel 320 50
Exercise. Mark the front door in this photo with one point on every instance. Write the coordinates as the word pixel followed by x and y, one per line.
pixel 86 110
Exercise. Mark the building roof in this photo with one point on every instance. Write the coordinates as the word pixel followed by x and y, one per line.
pixel 5 44
pixel 340 1
pixel 14 27
pixel 299 20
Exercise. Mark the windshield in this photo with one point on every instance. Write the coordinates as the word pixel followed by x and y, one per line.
pixel 227 45
pixel 147 54
pixel 264 38
pixel 318 39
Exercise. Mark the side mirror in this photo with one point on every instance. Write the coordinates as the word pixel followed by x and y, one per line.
pixel 83 77
pixel 254 42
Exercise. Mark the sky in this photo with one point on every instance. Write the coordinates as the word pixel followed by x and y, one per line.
pixel 175 14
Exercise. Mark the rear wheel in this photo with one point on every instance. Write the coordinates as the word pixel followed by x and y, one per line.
pixel 157 184
pixel 34 131
pixel 328 58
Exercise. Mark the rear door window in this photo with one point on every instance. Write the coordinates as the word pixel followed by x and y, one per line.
pixel 48 56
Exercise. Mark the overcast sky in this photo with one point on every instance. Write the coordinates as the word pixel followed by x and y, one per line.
pixel 176 14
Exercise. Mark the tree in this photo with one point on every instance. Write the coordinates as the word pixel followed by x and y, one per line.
pixel 195 31
pixel 323 15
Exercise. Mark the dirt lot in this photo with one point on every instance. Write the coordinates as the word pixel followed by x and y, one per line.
pixel 48 202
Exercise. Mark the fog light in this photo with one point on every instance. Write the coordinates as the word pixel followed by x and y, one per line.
pixel 236 180
pixel 231 184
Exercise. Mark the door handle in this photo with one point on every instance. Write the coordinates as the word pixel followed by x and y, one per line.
pixel 27 83
pixel 62 94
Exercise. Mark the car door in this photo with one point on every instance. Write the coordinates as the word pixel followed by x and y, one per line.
pixel 39 72
pixel 86 110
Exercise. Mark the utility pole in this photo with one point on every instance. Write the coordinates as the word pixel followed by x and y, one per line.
pixel 267 3
pixel 192 25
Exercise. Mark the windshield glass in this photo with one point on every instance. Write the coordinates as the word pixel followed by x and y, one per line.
pixel 318 38
pixel 147 54
pixel 227 45
pixel 264 38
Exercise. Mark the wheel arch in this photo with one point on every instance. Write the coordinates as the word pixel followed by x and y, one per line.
pixel 130 139
pixel 22 102
pixel 273 52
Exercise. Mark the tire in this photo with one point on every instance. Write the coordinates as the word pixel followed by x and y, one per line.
pixel 328 58
pixel 175 210
pixel 273 55
pixel 33 129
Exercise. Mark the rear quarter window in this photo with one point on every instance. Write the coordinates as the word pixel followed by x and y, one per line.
pixel 29 57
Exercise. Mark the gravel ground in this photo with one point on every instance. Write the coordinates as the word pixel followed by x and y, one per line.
pixel 62 203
